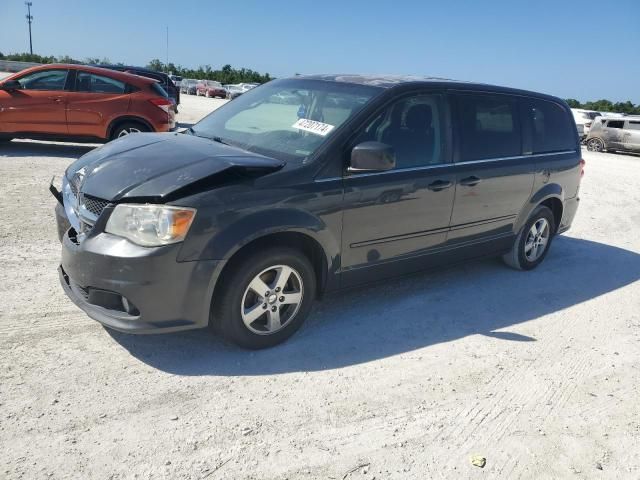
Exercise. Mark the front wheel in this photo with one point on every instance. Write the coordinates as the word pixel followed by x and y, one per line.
pixel 265 298
pixel 532 243
pixel 595 145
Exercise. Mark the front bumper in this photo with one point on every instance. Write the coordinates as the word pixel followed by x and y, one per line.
pixel 135 289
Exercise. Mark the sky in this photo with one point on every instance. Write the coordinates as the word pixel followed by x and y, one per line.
pixel 586 49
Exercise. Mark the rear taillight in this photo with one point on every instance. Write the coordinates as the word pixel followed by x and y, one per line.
pixel 582 164
pixel 162 103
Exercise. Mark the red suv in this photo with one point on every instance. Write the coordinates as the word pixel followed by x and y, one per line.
pixel 80 103
pixel 211 89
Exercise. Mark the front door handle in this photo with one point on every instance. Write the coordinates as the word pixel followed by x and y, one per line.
pixel 56 99
pixel 470 181
pixel 439 185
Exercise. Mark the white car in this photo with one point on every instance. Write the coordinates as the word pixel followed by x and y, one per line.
pixel 247 86
pixel 612 114
pixel 584 118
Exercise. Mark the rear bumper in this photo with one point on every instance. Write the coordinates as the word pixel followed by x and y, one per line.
pixel 568 213
pixel 136 289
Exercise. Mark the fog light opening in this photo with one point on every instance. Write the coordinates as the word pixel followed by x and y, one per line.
pixel 129 307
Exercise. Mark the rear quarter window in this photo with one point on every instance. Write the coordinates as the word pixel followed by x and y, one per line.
pixel 552 129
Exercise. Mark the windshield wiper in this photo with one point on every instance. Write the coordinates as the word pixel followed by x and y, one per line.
pixel 219 140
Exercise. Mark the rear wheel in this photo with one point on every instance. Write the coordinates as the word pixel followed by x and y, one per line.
pixel 532 243
pixel 265 299
pixel 595 145
pixel 127 128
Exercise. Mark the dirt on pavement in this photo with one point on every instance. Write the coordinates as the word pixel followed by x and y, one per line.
pixel 537 372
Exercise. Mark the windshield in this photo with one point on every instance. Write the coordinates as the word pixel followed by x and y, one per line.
pixel 285 119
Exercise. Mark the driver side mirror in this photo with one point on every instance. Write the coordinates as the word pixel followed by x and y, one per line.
pixel 10 85
pixel 372 157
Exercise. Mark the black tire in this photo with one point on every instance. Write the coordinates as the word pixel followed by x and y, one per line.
pixel 5 139
pixel 228 303
pixel 595 145
pixel 517 257
pixel 129 127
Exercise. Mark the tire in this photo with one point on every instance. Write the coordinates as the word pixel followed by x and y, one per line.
pixel 595 145
pixel 127 128
pixel 525 253
pixel 237 308
pixel 5 139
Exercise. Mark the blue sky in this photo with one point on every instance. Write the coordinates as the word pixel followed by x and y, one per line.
pixel 563 47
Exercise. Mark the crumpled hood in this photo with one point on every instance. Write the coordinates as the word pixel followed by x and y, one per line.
pixel 152 166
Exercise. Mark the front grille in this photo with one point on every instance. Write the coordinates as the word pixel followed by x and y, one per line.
pixel 93 204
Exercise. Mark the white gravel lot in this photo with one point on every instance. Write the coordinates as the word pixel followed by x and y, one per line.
pixel 539 371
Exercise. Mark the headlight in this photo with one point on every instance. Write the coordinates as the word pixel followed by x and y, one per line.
pixel 150 225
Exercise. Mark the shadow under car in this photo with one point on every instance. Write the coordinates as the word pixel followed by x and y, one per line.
pixel 409 313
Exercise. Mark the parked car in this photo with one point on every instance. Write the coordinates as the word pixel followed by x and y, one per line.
pixel 189 86
pixel 243 221
pixel 176 79
pixel 233 91
pixel 162 78
pixel 584 118
pixel 613 114
pixel 81 103
pixel 613 134
pixel 210 89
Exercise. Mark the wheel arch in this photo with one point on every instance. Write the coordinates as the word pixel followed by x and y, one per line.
pixel 551 196
pixel 127 118
pixel 294 239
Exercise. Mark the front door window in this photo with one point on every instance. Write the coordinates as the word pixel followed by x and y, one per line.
pixel 49 80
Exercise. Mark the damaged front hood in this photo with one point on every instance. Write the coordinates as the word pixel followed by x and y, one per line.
pixel 155 167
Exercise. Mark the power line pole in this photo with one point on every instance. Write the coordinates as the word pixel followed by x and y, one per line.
pixel 167 64
pixel 29 19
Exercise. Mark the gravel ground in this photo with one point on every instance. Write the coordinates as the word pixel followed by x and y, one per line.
pixel 538 372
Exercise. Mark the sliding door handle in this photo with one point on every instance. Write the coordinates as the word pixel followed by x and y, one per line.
pixel 470 181
pixel 439 185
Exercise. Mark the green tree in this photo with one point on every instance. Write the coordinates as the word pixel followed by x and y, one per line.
pixel 156 65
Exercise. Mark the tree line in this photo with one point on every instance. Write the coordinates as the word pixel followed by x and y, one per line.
pixel 606 106
pixel 227 74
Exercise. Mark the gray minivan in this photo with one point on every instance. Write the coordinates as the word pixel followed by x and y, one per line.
pixel 240 222
pixel 613 134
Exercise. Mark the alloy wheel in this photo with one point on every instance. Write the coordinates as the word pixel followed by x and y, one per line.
pixel 272 299
pixel 537 240
pixel 595 145
pixel 127 131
